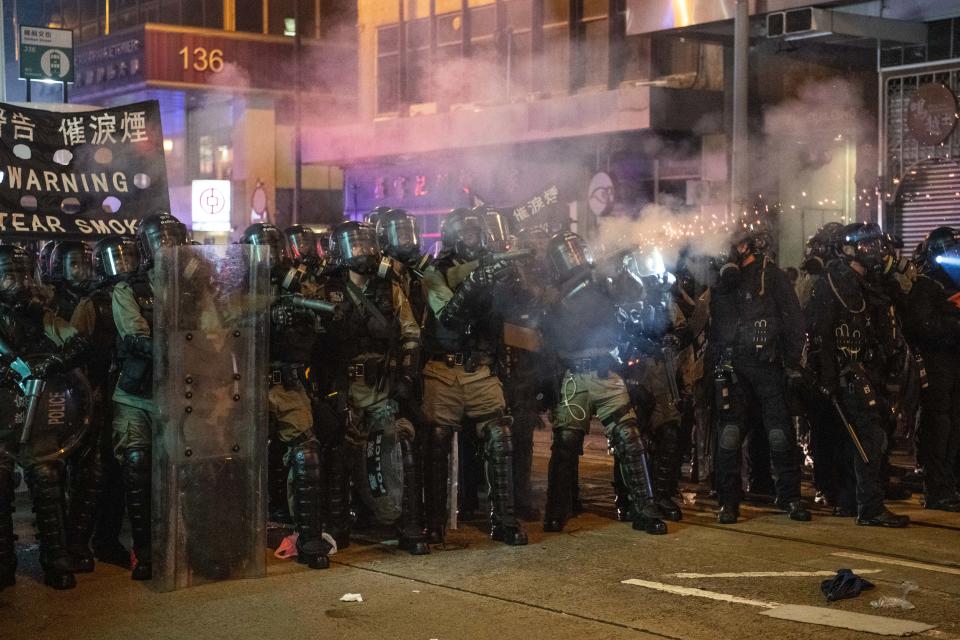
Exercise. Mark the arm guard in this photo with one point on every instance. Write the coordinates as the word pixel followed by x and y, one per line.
pixel 139 345
pixel 456 311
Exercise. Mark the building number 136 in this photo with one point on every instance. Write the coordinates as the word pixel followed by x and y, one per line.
pixel 202 59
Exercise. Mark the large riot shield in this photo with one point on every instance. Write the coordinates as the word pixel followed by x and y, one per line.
pixel 210 442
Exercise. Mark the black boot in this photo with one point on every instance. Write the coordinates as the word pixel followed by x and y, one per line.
pixel 884 518
pixel 412 538
pixel 278 509
pixel 85 495
pixel 621 494
pixel 436 472
pixel 136 481
pixel 667 463
pixel 8 552
pixel 560 477
pixel 728 514
pixel 498 450
pixel 46 481
pixel 106 537
pixel 336 498
pixel 522 465
pixel 312 549
pixel 635 466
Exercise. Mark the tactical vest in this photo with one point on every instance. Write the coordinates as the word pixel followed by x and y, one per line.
pixel 137 377
pixel 293 343
pixel 360 330
pixel 104 338
pixel 65 300
pixel 22 328
pixel 481 336
pixel 584 319
pixel 854 331
pixel 757 321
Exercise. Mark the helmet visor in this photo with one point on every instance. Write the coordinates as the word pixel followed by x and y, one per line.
pixel 401 237
pixel 120 259
pixel 303 244
pixel 571 254
pixel 77 266
pixel 357 243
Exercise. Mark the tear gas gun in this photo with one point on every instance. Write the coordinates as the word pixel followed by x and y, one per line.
pixel 505 256
pixel 317 306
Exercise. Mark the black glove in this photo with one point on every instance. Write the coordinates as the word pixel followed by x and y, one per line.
pixel 488 275
pixel 49 366
pixel 139 345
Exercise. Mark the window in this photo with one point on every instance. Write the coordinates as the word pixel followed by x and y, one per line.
pixel 554 66
pixel 388 69
pixel 205 156
pixel 282 21
pixel 196 13
pixel 250 15
pixel 519 47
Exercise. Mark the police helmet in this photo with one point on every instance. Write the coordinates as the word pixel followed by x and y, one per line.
pixel 159 230
pixel 465 233
pixel 354 245
pixel 568 255
pixel 115 256
pixel 397 235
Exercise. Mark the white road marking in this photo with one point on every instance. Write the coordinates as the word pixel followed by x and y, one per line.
pixel 801 613
pixel 897 561
pixel 768 574
pixel 700 593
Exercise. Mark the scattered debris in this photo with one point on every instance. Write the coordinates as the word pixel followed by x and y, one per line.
pixel 351 597
pixel 846 584
pixel 894 602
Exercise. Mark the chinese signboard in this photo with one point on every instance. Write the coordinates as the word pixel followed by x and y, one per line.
pixel 46 54
pixel 80 174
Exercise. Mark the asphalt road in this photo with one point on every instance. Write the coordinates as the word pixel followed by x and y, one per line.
pixel 561 586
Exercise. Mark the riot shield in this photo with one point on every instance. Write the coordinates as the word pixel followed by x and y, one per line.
pixel 210 441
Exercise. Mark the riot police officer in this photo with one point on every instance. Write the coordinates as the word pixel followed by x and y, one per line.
pixel 932 321
pixel 848 357
pixel 32 334
pixel 134 409
pixel 756 338
pixel 460 338
pixel 71 274
pixel 302 243
pixel 293 330
pixel 655 333
pixel 581 328
pixel 377 344
pixel 114 259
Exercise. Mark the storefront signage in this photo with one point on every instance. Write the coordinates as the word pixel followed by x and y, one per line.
pixel 210 205
pixel 932 113
pixel 90 173
pixel 167 55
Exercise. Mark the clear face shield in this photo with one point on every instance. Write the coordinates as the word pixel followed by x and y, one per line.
pixel 303 245
pixel 499 233
pixel 16 281
pixel 359 250
pixel 119 259
pixel 402 240
pixel 572 254
pixel 78 266
pixel 168 234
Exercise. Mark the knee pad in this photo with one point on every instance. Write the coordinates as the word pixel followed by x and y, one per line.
pixel 498 437
pixel 729 437
pixel 778 440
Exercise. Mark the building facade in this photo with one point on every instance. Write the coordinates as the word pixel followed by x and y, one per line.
pixel 225 73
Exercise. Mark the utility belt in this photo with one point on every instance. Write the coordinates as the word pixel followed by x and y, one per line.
pixel 469 361
pixel 600 364
pixel 289 375
pixel 370 371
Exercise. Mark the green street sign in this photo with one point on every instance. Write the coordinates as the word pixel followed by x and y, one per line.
pixel 46 54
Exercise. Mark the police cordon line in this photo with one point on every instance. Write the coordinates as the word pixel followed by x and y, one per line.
pixel 378 354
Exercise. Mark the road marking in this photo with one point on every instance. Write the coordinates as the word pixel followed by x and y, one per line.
pixel 895 561
pixel 768 574
pixel 838 618
pixel 801 613
pixel 700 593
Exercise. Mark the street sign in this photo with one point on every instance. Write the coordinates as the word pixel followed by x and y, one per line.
pixel 46 54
